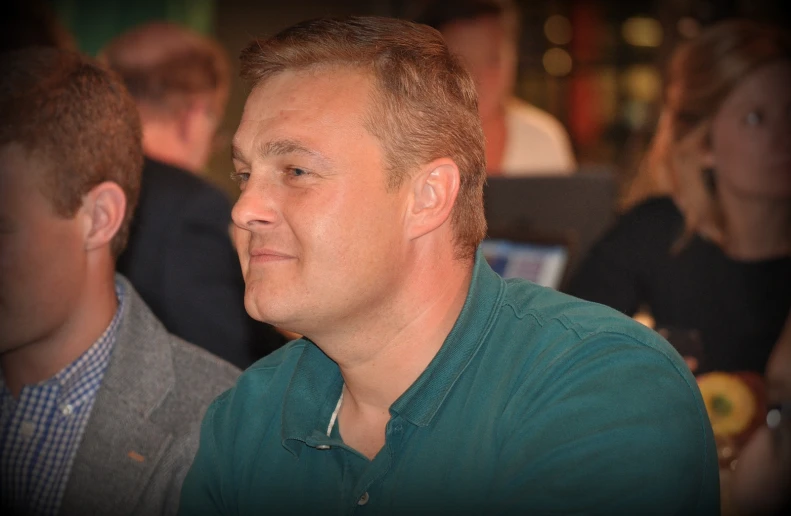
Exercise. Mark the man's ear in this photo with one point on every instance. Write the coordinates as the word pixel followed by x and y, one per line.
pixel 103 210
pixel 434 190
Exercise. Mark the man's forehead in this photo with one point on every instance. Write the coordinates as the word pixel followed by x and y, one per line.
pixel 315 85
pixel 297 101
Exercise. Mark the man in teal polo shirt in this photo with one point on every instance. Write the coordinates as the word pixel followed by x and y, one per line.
pixel 425 383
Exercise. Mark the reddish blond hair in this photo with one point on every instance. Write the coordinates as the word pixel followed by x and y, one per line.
pixel 78 119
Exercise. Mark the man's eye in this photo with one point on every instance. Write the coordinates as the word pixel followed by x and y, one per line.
pixel 754 117
pixel 297 172
pixel 240 177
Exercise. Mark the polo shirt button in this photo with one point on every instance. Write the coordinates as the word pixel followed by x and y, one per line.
pixel 363 499
pixel 67 410
pixel 323 447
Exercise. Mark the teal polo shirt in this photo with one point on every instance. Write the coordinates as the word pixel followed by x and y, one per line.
pixel 537 403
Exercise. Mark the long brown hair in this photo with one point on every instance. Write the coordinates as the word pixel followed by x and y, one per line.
pixel 702 73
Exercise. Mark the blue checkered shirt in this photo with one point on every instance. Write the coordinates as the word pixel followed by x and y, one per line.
pixel 41 431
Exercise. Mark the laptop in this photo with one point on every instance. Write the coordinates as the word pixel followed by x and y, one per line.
pixel 556 218
pixel 544 264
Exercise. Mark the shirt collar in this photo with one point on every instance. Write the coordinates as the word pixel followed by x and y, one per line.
pixel 316 384
pixel 79 380
pixel 423 399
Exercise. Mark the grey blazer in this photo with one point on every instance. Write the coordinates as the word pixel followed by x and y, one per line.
pixel 143 431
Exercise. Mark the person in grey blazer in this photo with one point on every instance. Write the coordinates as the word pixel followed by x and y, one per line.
pixel 99 405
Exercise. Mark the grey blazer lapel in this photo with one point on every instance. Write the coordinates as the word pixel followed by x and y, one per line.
pixel 122 446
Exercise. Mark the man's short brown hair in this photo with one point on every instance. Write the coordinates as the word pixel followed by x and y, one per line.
pixel 164 65
pixel 424 105
pixel 78 119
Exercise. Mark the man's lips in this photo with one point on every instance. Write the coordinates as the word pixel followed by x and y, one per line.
pixel 268 255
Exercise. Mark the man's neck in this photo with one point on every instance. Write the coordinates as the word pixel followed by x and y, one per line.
pixel 38 361
pixel 757 228
pixel 380 363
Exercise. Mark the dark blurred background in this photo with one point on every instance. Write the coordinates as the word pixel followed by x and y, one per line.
pixel 594 64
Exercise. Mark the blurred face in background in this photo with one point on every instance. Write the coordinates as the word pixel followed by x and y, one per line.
pixel 42 260
pixel 488 50
pixel 201 122
pixel 751 135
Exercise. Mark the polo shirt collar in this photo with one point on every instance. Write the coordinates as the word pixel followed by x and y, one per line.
pixel 422 400
pixel 310 399
pixel 316 384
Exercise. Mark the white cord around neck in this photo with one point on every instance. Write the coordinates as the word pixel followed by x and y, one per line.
pixel 335 414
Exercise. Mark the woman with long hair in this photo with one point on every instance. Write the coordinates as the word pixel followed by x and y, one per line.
pixel 709 254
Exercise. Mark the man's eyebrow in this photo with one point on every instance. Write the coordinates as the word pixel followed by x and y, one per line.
pixel 237 154
pixel 280 148
pixel 286 146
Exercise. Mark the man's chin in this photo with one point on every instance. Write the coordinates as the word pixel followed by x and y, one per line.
pixel 265 311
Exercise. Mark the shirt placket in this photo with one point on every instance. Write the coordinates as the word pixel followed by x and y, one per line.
pixel 365 494
pixel 35 407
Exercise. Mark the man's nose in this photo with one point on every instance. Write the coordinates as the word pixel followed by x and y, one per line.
pixel 256 207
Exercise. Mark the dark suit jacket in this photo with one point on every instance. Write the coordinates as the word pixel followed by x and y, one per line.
pixel 181 261
pixel 143 431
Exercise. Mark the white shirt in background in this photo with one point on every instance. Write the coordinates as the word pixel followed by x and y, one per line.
pixel 536 142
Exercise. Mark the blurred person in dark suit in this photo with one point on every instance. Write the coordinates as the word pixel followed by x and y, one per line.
pixel 707 251
pixel 99 404
pixel 180 257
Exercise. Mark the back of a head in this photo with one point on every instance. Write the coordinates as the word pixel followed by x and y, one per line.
pixel 424 105
pixel 77 119
pixel 164 65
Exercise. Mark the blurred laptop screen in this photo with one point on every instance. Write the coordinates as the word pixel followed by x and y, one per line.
pixel 578 208
pixel 544 264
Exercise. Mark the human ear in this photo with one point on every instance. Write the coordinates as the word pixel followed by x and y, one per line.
pixel 103 209
pixel 433 194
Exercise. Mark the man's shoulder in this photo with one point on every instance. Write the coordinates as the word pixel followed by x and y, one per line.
pixel 199 372
pixel 580 387
pixel 162 370
pixel 560 324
